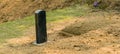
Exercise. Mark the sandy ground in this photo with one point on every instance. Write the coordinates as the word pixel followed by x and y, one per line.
pixel 105 40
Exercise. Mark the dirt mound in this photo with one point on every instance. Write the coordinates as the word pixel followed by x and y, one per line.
pixel 16 9
pixel 93 22
pixel 85 26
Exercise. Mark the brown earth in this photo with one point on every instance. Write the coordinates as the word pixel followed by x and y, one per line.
pixel 103 40
pixel 16 9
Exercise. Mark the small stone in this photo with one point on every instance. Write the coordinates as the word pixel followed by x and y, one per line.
pixel 77 48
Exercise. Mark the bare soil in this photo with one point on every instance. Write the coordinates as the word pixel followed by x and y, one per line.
pixel 103 40
pixel 17 9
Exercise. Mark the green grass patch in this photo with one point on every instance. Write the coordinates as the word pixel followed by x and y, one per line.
pixel 17 28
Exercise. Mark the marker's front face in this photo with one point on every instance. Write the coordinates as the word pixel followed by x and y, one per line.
pixel 41 33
